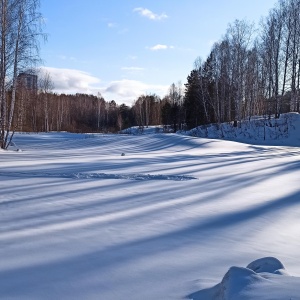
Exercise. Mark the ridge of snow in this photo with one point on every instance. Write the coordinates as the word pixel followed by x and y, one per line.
pixel 266 283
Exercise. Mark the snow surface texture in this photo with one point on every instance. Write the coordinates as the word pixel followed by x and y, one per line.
pixel 256 131
pixel 165 221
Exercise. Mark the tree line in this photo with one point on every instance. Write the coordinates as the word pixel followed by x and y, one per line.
pixel 43 111
pixel 250 71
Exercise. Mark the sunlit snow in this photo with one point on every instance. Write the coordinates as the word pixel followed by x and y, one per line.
pixel 175 217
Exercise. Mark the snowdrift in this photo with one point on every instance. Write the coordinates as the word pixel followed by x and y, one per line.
pixel 263 279
pixel 258 130
pixel 143 130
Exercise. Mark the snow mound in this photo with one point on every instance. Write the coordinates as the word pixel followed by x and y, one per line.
pixel 261 279
pixel 267 264
pixel 234 281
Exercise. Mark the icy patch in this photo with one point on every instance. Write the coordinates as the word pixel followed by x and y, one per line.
pixel 261 279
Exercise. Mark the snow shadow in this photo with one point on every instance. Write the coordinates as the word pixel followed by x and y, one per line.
pixel 71 269
pixel 61 234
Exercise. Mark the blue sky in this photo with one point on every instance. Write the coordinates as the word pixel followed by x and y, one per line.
pixel 124 48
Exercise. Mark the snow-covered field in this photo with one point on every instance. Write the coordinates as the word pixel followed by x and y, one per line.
pixel 167 220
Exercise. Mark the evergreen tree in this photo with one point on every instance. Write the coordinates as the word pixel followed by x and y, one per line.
pixel 194 115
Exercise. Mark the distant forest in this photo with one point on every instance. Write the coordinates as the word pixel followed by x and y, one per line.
pixel 249 71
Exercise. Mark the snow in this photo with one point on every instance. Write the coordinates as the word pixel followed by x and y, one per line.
pixel 244 283
pixel 256 130
pixel 165 221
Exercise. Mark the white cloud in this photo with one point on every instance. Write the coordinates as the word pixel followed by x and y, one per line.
pixel 130 90
pixel 160 47
pixel 149 14
pixel 126 88
pixel 70 81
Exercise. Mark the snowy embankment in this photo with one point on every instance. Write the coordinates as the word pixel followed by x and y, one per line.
pixel 167 220
pixel 257 130
pixel 284 131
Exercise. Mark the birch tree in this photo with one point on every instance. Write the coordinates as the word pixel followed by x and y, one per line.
pixel 20 33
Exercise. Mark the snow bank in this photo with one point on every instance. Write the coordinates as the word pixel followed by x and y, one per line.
pixel 144 130
pixel 257 130
pixel 264 278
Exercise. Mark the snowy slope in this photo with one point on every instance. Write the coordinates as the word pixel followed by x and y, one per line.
pixel 165 221
pixel 258 130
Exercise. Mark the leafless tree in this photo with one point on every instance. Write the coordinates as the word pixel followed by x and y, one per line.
pixel 239 35
pixel 45 88
pixel 20 31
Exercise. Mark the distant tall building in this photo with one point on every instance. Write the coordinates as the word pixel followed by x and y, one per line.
pixel 28 81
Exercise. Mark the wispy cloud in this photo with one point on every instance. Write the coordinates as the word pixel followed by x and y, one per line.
pixel 112 25
pixel 160 47
pixel 132 57
pixel 149 14
pixel 123 31
pixel 70 59
pixel 64 57
pixel 116 26
pixel 132 69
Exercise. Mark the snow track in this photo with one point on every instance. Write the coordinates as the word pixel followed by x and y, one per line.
pixel 102 176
